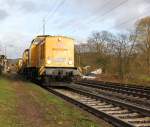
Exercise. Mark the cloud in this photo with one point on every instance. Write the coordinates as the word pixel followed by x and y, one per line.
pixel 3 14
pixel 33 6
pixel 15 43
pixel 116 14
pixel 76 18
pixel 126 16
pixel 27 6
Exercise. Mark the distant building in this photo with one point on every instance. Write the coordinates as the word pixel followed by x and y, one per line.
pixel 3 63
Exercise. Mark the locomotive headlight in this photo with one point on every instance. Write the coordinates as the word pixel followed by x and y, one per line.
pixel 70 62
pixel 49 61
pixel 59 39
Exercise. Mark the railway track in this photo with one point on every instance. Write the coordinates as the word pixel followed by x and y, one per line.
pixel 133 99
pixel 139 102
pixel 135 91
pixel 118 113
pixel 137 95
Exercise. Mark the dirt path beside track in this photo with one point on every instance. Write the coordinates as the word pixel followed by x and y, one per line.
pixel 36 107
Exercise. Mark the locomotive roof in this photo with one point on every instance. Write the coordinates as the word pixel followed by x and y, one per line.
pixel 39 39
pixel 26 50
pixel 44 36
pixel 54 36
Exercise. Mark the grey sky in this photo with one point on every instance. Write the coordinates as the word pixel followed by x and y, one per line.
pixel 21 20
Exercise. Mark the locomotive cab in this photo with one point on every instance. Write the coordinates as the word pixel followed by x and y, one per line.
pixel 50 58
pixel 56 58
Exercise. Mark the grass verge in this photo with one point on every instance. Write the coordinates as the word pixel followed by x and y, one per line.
pixel 28 105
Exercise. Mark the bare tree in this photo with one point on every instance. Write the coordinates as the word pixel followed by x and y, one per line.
pixel 143 39
pixel 123 49
pixel 98 44
pixel 97 41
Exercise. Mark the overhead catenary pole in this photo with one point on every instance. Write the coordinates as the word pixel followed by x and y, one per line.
pixel 5 50
pixel 50 14
pixel 44 26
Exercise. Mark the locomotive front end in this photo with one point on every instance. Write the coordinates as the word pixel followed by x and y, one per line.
pixel 58 52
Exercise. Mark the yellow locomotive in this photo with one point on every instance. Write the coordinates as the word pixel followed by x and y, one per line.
pixel 49 58
pixel 19 65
